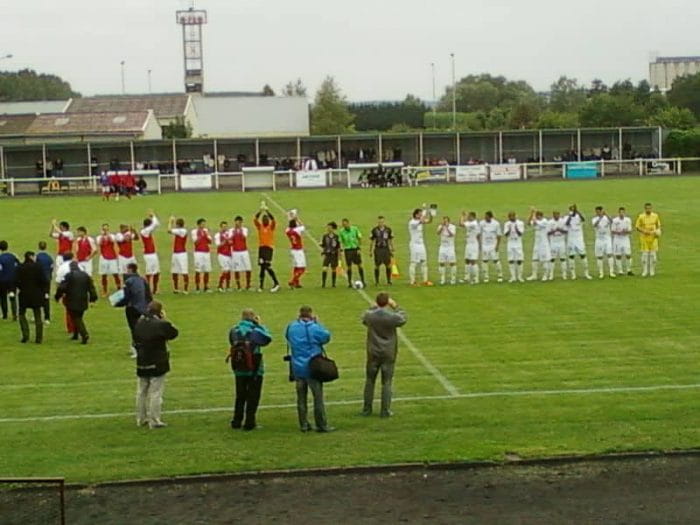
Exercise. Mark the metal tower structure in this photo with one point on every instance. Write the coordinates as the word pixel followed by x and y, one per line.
pixel 192 21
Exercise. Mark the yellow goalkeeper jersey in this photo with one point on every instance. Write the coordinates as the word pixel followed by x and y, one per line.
pixel 648 224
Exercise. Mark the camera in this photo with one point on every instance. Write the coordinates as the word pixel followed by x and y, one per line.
pixel 288 359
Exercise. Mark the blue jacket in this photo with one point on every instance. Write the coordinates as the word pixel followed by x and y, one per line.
pixel 306 339
pixel 46 263
pixel 8 267
pixel 258 336
pixel 137 293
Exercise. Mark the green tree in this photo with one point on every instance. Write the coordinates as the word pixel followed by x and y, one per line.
pixel 673 118
pixel 524 114
pixel 294 89
pixel 567 96
pixel 608 110
pixel 384 115
pixel 486 92
pixel 557 120
pixel 267 91
pixel 329 113
pixel 179 129
pixel 685 93
pixel 28 85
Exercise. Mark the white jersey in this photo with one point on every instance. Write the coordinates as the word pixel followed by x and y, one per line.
pixel 541 227
pixel 490 232
pixel 601 225
pixel 415 232
pixel 621 227
pixel 513 231
pixel 447 236
pixel 557 230
pixel 473 231
pixel 574 225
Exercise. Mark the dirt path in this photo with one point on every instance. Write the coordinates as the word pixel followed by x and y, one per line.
pixel 664 489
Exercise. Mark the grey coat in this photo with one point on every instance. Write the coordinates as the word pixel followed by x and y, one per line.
pixel 381 324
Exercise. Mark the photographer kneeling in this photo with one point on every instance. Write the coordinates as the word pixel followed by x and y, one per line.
pixel 306 337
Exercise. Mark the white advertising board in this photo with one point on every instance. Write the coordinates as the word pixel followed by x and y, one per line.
pixel 504 172
pixel 199 181
pixel 311 179
pixel 478 173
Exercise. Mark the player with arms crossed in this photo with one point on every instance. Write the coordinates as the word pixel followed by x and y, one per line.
pixel 266 246
pixel 416 245
pixel 330 249
pixel 622 247
pixel 150 255
pixel 178 262
pixel 471 250
pixel 648 225
pixel 603 242
pixel 490 244
pixel 381 247
pixel 222 241
pixel 85 249
pixel 125 246
pixel 240 258
pixel 294 233
pixel 557 243
pixel 446 253
pixel 202 240
pixel 64 237
pixel 541 250
pixel 109 264
pixel 575 242
pixel 513 230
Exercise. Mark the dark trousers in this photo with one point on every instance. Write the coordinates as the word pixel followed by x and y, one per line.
pixel 132 317
pixel 24 324
pixel 248 391
pixel 8 291
pixel 47 302
pixel 376 364
pixel 316 387
pixel 79 328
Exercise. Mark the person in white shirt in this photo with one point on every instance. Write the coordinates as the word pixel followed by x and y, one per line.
pixel 622 248
pixel 541 252
pixel 603 241
pixel 471 250
pixel 513 230
pixel 574 241
pixel 179 260
pixel 446 254
pixel 490 243
pixel 557 243
pixel 416 245
pixel 150 255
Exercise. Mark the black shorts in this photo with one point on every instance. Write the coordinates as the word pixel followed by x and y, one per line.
pixel 265 255
pixel 382 256
pixel 330 260
pixel 353 256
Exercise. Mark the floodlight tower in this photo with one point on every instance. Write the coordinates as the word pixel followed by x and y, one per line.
pixel 192 21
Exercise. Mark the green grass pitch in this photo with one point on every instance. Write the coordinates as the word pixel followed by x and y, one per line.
pixel 538 369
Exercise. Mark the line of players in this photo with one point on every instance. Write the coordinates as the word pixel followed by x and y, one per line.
pixel 559 238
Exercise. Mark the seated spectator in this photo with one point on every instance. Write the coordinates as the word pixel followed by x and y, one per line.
pixel 141 186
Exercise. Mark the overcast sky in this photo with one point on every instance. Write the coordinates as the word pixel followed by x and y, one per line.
pixel 376 49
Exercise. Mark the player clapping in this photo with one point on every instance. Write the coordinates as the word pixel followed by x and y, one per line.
pixel 125 245
pixel 622 247
pixel 178 261
pixel 574 241
pixel 603 241
pixel 446 253
pixel 417 252
pixel 108 265
pixel 240 258
pixel 513 230
pixel 471 250
pixel 202 255
pixel 85 249
pixel 490 244
pixel 64 237
pixel 557 243
pixel 150 255
pixel 541 251
pixel 222 240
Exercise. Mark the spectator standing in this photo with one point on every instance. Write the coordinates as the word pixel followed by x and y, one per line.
pixel 382 322
pixel 8 281
pixel 247 339
pixel 47 264
pixel 306 337
pixel 78 290
pixel 137 297
pixel 31 283
pixel 151 334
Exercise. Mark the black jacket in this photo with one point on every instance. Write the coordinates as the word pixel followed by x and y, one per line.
pixel 31 282
pixel 151 335
pixel 78 290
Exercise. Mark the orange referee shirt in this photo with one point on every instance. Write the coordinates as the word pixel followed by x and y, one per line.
pixel 266 234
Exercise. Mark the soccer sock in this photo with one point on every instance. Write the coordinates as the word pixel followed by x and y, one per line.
pixel 149 280
pixel 118 281
pixel 261 277
pixel 206 281
pixel 453 273
pixel 511 268
pixel 247 279
pixel 412 273
pixel 237 277
pixel 442 274
pixel 628 265
pixel 186 280
pixel 272 275
pixel 652 263
pixel 611 265
pixel 519 269
pixel 156 280
pixel 334 276
pixel 618 265
pixel 475 271
pixel 104 284
pixel 176 281
pixel 499 269
pixel 467 272
pixel 362 274
pixel 572 267
pixel 485 270
pixel 535 268
pixel 301 272
pixel 600 265
pixel 388 276
pixel 584 262
pixel 376 275
pixel 222 280
pixel 324 276
pixel 196 280
pixel 645 263
pixel 425 272
pixel 349 274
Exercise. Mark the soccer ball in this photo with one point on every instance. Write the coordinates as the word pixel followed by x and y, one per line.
pixel 658 232
pixel 358 285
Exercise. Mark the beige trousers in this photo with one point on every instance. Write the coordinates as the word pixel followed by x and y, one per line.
pixel 149 398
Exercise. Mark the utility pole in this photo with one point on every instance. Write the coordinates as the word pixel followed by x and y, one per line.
pixel 454 94
pixel 123 83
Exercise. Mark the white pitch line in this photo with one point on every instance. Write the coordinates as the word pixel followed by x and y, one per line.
pixel 450 397
pixel 446 384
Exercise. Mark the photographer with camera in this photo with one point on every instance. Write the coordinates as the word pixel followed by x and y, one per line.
pixel 247 339
pixel 151 334
pixel 306 337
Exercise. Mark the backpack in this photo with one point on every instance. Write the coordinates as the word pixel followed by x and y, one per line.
pixel 242 355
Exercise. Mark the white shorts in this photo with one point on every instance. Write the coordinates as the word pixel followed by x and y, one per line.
pixel 108 266
pixel 178 264
pixel 86 266
pixel 622 246
pixel 541 252
pixel 471 252
pixel 489 253
pixel 576 246
pixel 447 255
pixel 603 247
pixel 298 258
pixel 225 262
pixel 515 252
pixel 417 253
pixel 240 262
pixel 558 248
pixel 152 263
pixel 124 262
pixel 106 189
pixel 202 262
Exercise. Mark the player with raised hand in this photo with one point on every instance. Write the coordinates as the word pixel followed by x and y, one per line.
pixel 265 224
pixel 541 251
pixel 648 225
pixel 240 258
pixel 513 230
pixel 125 246
pixel 557 243
pixel 447 232
pixel 417 252
pixel 471 251
pixel 150 255
pixel 294 232
pixel 109 264
pixel 64 237
pixel 603 241
pixel 622 247
pixel 222 241
pixel 179 261
pixel 202 240
pixel 85 249
pixel 574 241
pixel 490 244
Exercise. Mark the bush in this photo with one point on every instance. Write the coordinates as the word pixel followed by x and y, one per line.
pixel 683 143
